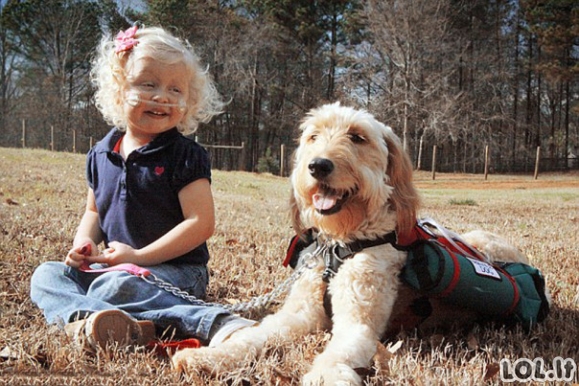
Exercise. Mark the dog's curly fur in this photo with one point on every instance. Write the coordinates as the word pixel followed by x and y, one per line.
pixel 351 180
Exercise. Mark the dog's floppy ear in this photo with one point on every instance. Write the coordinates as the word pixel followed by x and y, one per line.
pixel 295 217
pixel 404 199
pixel 295 214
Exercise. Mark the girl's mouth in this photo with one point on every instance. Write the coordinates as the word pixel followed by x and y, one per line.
pixel 157 113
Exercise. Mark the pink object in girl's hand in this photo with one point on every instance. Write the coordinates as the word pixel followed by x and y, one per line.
pixel 86 250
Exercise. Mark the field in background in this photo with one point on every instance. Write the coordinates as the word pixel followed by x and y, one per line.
pixel 42 198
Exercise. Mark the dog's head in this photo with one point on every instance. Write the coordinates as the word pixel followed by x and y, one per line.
pixel 351 177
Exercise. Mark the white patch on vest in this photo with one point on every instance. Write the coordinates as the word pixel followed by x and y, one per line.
pixel 483 269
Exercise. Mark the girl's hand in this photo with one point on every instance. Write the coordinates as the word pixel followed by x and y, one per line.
pixel 81 253
pixel 116 253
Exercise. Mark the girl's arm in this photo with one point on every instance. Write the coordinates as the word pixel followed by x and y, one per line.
pixel 199 224
pixel 88 232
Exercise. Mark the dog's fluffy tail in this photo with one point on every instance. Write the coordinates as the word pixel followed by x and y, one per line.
pixel 494 247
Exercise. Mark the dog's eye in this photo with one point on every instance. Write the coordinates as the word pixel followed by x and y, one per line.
pixel 356 138
pixel 312 138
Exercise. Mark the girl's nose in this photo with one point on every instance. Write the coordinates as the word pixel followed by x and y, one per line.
pixel 161 96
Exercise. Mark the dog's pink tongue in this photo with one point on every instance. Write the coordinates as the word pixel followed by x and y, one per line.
pixel 322 202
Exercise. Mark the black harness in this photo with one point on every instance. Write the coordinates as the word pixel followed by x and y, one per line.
pixel 335 255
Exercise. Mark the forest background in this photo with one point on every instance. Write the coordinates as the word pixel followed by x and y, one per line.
pixel 461 75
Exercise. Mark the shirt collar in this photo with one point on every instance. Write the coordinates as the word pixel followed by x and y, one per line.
pixel 108 143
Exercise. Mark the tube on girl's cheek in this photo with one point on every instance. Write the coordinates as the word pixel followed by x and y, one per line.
pixel 133 98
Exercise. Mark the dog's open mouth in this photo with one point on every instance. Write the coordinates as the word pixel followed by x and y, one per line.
pixel 329 201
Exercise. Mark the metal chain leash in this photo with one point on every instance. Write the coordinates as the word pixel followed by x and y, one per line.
pixel 308 261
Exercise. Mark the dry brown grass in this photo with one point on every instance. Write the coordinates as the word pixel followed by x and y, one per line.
pixel 42 199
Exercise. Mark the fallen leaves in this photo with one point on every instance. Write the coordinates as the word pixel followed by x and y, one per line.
pixel 492 370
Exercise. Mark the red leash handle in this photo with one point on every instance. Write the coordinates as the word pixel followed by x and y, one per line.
pixel 125 267
pixel 169 348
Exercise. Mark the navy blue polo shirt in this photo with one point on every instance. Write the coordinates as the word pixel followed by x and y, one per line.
pixel 137 198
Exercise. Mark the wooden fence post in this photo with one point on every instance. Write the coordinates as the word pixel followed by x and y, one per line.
pixel 74 141
pixel 434 162
pixel 23 133
pixel 241 160
pixel 419 161
pixel 538 157
pixel 486 161
pixel 51 138
pixel 282 160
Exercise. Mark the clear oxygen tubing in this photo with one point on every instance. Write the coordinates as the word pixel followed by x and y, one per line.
pixel 134 99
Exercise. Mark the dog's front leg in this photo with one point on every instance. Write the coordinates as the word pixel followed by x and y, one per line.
pixel 302 313
pixel 363 294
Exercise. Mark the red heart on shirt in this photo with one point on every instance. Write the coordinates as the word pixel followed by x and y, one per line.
pixel 159 170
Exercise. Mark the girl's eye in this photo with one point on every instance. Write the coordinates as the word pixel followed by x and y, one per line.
pixel 176 90
pixel 356 138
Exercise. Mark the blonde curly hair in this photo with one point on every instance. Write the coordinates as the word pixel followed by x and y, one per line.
pixel 109 77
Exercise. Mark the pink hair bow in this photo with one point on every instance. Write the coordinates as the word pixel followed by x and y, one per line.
pixel 125 41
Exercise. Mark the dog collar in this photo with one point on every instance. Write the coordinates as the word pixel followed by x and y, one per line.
pixel 335 255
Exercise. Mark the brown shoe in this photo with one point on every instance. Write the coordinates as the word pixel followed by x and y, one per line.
pixel 111 326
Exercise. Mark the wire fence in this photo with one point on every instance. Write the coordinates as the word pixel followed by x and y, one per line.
pixel 487 161
pixel 277 161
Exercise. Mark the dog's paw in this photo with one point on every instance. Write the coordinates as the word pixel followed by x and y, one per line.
pixel 212 361
pixel 194 360
pixel 339 375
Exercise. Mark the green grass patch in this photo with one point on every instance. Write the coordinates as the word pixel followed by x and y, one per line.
pixel 463 201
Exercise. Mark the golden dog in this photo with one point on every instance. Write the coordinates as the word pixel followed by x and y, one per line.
pixel 352 181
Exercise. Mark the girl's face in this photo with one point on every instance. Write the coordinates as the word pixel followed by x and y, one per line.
pixel 155 97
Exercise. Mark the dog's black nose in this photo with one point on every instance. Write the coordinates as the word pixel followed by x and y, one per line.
pixel 320 167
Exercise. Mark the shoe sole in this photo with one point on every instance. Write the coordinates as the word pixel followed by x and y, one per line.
pixel 117 327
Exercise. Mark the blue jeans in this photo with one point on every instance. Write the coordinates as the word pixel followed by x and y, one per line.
pixel 66 294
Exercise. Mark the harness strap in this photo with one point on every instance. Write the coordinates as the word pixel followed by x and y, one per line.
pixel 335 255
pixel 358 245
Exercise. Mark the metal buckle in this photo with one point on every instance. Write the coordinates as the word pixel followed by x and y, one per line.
pixel 427 227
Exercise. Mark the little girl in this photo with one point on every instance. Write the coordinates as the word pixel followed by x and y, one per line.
pixel 149 200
